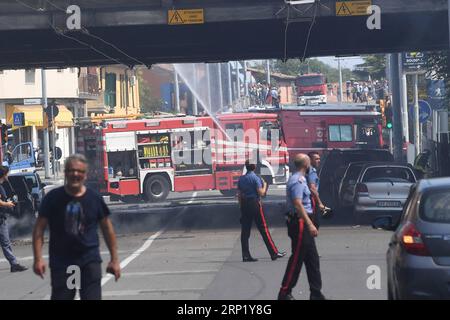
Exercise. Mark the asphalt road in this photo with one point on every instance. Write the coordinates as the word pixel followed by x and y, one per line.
pixel 189 248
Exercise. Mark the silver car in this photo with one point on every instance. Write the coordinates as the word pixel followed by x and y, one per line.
pixel 380 188
pixel 418 258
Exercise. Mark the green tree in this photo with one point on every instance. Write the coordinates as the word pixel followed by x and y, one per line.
pixel 373 65
pixel 149 103
pixel 295 67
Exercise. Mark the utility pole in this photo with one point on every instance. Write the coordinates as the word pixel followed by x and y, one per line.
pixel 194 99
pixel 238 82
pixel 219 76
pixel 45 131
pixel 416 116
pixel 177 92
pixel 268 71
pixel 340 79
pixel 396 107
pixel 230 90
pixel 404 100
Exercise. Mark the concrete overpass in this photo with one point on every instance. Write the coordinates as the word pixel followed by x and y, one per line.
pixel 33 33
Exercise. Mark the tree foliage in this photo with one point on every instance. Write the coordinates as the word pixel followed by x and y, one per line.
pixel 373 65
pixel 149 103
pixel 294 67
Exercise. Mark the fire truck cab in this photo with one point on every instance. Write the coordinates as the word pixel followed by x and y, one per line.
pixel 327 127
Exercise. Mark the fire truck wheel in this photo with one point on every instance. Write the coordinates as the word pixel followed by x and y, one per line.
pixel 156 188
pixel 228 193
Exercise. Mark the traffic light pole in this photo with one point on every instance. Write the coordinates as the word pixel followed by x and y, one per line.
pixel 416 116
pixel 45 131
pixel 397 127
pixel 53 143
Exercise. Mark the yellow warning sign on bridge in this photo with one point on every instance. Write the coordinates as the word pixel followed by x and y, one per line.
pixel 189 16
pixel 352 8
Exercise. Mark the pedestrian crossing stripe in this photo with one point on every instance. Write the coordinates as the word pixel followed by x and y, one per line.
pixel 352 8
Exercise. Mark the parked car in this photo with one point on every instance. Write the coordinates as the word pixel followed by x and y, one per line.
pixel 334 165
pixel 380 188
pixel 418 257
pixel 34 184
pixel 17 190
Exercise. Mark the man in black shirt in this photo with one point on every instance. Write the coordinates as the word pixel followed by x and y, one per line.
pixel 73 213
pixel 5 242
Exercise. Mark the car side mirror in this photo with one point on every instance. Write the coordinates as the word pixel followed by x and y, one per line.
pixel 384 223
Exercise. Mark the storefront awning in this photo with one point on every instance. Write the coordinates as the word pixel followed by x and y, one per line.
pixel 34 116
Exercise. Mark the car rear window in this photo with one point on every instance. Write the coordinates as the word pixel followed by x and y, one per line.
pixel 435 206
pixel 388 174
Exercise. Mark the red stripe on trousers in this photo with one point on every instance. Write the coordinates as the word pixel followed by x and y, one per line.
pixel 266 230
pixel 296 254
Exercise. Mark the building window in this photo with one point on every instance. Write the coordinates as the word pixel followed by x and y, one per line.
pixel 59 70
pixel 340 133
pixel 110 90
pixel 30 76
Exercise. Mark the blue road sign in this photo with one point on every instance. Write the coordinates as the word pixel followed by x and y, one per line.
pixel 424 111
pixel 19 119
pixel 436 94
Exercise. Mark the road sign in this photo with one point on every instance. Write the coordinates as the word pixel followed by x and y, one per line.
pixel 32 101
pixel 49 109
pixel 436 94
pixel 191 16
pixel 19 119
pixel 352 8
pixel 424 111
pixel 413 61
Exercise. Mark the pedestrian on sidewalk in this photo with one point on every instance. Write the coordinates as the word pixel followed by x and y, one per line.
pixel 251 188
pixel 302 231
pixel 73 213
pixel 7 206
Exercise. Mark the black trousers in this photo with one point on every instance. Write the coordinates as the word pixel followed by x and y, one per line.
pixel 251 210
pixel 90 284
pixel 304 250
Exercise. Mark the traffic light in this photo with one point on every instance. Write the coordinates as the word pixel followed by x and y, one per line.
pixel 6 133
pixel 388 115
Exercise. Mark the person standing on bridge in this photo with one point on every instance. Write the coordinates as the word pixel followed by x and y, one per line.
pixel 302 232
pixel 73 213
pixel 250 190
pixel 5 207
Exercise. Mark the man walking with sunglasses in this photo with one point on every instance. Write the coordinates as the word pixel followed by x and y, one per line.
pixel 73 213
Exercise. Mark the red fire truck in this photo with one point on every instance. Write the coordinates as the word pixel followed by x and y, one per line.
pixel 327 127
pixel 148 158
pixel 311 89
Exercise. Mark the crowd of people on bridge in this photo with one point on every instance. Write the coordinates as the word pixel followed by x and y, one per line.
pixel 366 91
pixel 264 94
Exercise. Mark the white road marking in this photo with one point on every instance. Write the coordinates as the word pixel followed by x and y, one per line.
pixel 139 251
pixel 162 273
pixel 193 197
pixel 123 293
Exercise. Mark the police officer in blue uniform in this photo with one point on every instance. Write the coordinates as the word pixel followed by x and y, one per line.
pixel 312 178
pixel 302 231
pixel 251 188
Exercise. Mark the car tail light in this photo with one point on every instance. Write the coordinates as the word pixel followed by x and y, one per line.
pixel 412 240
pixel 361 188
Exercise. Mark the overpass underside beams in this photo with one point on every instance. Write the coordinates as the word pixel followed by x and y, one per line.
pixel 223 41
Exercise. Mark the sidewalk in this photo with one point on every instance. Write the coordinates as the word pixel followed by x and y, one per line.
pixel 55 180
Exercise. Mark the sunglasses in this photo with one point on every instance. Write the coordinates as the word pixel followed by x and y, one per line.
pixel 75 171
